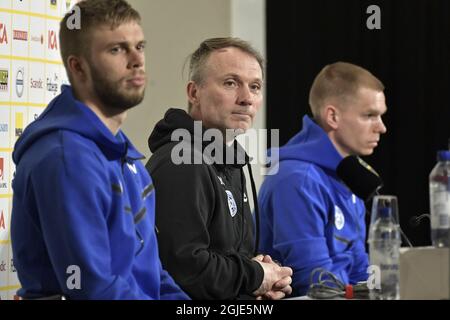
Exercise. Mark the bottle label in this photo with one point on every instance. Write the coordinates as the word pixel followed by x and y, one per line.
pixel 441 209
pixel 386 257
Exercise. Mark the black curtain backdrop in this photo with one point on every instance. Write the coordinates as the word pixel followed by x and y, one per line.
pixel 410 55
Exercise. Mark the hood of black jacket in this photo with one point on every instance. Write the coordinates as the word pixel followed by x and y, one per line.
pixel 175 119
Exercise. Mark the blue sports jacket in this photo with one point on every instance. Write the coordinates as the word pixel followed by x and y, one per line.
pixel 309 218
pixel 83 211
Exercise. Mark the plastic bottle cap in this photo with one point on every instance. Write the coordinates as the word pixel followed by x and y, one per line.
pixel 348 291
pixel 385 212
pixel 443 155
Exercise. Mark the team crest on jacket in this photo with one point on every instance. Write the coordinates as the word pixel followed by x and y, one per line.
pixel 231 203
pixel 339 220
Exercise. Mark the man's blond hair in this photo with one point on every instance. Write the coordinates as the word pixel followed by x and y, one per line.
pixel 93 13
pixel 339 82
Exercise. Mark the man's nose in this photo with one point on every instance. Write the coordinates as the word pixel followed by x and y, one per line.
pixel 381 127
pixel 245 97
pixel 137 58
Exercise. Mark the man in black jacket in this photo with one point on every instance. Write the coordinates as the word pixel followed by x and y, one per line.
pixel 203 218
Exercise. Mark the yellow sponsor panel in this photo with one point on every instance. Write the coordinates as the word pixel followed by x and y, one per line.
pixel 24 29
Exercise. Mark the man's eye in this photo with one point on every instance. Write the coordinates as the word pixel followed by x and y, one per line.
pixel 255 87
pixel 116 50
pixel 230 83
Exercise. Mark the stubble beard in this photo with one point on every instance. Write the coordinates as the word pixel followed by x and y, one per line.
pixel 113 94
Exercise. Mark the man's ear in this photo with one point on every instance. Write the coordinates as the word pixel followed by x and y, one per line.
pixel 331 116
pixel 192 93
pixel 77 67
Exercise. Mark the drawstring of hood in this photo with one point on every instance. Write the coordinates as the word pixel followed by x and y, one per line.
pixel 255 203
pixel 242 206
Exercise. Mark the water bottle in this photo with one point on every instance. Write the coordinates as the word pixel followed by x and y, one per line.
pixel 384 247
pixel 440 201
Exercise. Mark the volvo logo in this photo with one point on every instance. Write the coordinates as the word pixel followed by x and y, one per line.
pixel 19 81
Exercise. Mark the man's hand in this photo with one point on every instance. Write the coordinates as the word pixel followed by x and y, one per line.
pixel 277 279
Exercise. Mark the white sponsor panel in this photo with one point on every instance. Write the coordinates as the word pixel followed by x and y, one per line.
pixel 5 33
pixel 4 219
pixel 5 80
pixel 66 5
pixel 19 81
pixel 52 43
pixel 21 5
pixel 19 120
pixel 38 6
pixel 53 8
pixel 34 113
pixel 36 82
pixel 4 127
pixel 52 81
pixel 4 254
pixel 4 173
pixel 29 34
pixel 5 4
pixel 37 38
pixel 20 35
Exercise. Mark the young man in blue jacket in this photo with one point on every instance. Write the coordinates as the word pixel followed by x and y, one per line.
pixel 83 208
pixel 309 217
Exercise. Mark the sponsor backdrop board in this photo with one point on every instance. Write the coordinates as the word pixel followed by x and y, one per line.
pixel 31 74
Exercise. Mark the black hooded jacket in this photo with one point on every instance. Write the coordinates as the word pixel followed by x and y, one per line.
pixel 203 219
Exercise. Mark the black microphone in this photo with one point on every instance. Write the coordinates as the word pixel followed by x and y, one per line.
pixel 359 177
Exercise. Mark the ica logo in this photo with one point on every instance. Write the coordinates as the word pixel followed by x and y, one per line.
pixel 52 42
pixel 3 34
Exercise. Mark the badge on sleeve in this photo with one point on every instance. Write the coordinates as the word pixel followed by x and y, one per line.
pixel 339 220
pixel 231 203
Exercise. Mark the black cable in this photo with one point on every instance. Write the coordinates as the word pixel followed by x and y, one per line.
pixel 328 286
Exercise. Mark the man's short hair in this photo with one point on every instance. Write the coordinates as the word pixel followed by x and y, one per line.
pixel 339 82
pixel 93 13
pixel 197 60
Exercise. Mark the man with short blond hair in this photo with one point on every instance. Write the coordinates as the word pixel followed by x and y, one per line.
pixel 309 218
pixel 83 208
